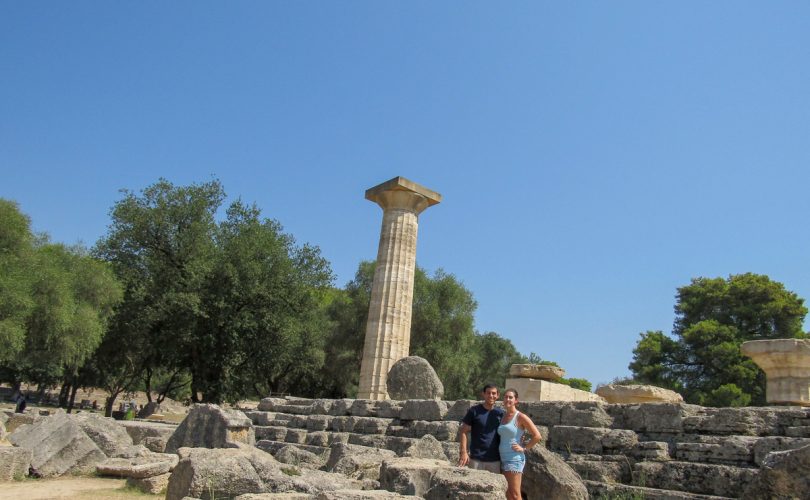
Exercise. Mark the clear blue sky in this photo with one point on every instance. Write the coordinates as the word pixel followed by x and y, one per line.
pixel 593 156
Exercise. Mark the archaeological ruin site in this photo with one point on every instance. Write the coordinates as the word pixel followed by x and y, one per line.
pixel 398 438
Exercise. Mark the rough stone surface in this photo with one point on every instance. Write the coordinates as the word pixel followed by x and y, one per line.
pixel 226 473
pixel 147 465
pixel 140 431
pixel 628 394
pixel 412 377
pixel 784 474
pixel 209 426
pixel 357 495
pixel 316 481
pixel 274 496
pixel 18 419
pixel 110 437
pixel 58 445
pixel 427 409
pixel 530 389
pixel 720 480
pixel 409 476
pixel 786 363
pixel 427 447
pixel 152 485
pixel 14 463
pixel 547 476
pixel 298 457
pixel 464 483
pixel 357 462
pixel 540 372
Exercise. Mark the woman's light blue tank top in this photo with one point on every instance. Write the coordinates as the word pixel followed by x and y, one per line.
pixel 510 434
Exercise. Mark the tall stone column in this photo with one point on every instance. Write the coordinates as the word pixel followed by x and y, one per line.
pixel 388 330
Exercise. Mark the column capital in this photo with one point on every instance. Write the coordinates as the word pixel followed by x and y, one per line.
pixel 401 193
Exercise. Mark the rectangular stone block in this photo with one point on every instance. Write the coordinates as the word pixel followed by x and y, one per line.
pixel 658 417
pixel 543 390
pixel 372 425
pixel 14 463
pixel 585 414
pixel 318 422
pixel 273 433
pixel 739 421
pixel 153 485
pixel 765 445
pixel 543 412
pixel 297 436
pixel 706 479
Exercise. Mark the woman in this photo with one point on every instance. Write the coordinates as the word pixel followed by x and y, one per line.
pixel 515 426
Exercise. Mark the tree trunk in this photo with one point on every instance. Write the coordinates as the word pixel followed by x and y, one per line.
pixel 63 394
pixel 72 399
pixel 147 382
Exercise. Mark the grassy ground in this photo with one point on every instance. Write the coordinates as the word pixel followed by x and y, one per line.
pixel 72 488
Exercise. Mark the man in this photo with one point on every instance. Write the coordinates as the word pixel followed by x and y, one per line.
pixel 481 422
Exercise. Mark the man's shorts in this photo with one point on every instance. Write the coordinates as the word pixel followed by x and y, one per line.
pixel 488 466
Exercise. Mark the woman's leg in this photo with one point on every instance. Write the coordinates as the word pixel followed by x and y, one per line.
pixel 512 485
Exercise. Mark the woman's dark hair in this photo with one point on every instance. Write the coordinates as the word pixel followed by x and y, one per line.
pixel 512 391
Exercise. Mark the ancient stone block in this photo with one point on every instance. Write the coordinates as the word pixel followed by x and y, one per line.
pixel 298 436
pixel 357 462
pixel 14 463
pixel 110 437
pixel 707 479
pixel 658 417
pixel 318 422
pixel 293 455
pixel 147 465
pixel 58 445
pixel 458 409
pixel 547 476
pixel 624 394
pixel 783 475
pixel 139 431
pixel 540 372
pixel 543 390
pixel 464 483
pixel 426 447
pixel 209 426
pixel 651 450
pixel 764 446
pixel 548 413
pixel 388 409
pixel 571 439
pixel 269 404
pixel 735 450
pixel 740 421
pixel 152 485
pixel 585 414
pixel 603 469
pixel 410 475
pixel 423 410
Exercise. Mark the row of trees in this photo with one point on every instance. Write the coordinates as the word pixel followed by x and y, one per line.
pixel 179 304
pixel 176 303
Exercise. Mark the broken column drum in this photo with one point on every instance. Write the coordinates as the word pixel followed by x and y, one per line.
pixel 388 329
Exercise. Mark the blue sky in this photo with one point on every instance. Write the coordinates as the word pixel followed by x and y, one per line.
pixel 593 156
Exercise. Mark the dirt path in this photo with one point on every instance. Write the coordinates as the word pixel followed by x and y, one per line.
pixel 74 488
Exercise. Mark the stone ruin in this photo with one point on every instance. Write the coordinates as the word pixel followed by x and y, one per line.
pixel 535 382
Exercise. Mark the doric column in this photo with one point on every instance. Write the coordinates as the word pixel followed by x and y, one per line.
pixel 388 330
pixel 786 363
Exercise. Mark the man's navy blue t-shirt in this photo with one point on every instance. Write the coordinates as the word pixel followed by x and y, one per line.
pixel 484 438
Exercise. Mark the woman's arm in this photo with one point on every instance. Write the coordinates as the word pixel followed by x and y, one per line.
pixel 525 423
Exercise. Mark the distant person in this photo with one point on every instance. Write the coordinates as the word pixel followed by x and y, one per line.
pixel 21 403
pixel 515 427
pixel 481 422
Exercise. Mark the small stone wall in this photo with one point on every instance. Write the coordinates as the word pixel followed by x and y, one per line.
pixel 671 450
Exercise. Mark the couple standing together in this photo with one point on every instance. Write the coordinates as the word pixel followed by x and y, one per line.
pixel 499 438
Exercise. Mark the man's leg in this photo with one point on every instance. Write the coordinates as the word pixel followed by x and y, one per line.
pixel 494 467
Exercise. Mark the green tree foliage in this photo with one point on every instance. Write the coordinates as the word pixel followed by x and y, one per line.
pixel 702 359
pixel 15 284
pixel 441 332
pixel 235 305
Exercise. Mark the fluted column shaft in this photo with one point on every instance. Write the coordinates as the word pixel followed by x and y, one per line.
pixel 388 328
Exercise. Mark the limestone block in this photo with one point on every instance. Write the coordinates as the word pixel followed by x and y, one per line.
pixel 343 424
pixel 783 475
pixel 459 408
pixel 139 431
pixel 572 439
pixel 409 475
pixel 412 377
pixel 341 407
pixel 786 363
pixel 272 433
pixel 427 447
pixel 604 469
pixel 147 465
pixel 269 404
pixel 766 445
pixel 464 483
pixel 110 437
pixel 59 445
pixel 362 408
pixel 388 409
pixel 322 406
pixel 18 419
pixel 427 409
pixel 293 455
pixel 542 390
pixel 357 495
pixel 155 443
pixel 152 485
pixel 273 496
pixel 540 372
pixel 548 413
pixel 628 394
pixel 298 436
pixel 14 463
pixel 740 421
pixel 651 450
pixel 209 426
pixel 371 425
pixel 225 473
pixel 706 479
pixel 318 422
pixel 357 462
pixel 585 414
pixel 734 450
pixel 658 417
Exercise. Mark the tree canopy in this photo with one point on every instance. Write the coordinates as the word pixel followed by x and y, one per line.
pixel 714 316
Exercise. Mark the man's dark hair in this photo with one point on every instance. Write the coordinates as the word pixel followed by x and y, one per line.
pixel 488 387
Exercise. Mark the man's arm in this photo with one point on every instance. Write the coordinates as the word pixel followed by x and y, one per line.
pixel 463 456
